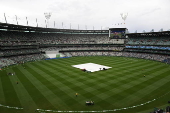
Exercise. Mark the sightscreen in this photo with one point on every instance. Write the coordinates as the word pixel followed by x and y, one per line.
pixel 52 54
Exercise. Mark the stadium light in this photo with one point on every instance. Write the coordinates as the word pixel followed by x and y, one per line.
pixel 47 16
pixel 27 20
pixel 16 19
pixel 124 16
pixel 5 18
pixel 37 22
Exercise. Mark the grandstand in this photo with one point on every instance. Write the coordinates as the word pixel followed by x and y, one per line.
pixel 155 45
pixel 23 50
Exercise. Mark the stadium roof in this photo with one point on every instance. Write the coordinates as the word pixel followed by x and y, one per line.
pixel 117 29
pixel 20 28
pixel 149 34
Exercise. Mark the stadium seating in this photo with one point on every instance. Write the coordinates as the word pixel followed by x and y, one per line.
pixel 24 45
pixel 149 41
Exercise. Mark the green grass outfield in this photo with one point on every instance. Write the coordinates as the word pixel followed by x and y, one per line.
pixel 50 86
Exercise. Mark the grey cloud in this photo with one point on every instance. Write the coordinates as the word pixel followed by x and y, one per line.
pixel 142 14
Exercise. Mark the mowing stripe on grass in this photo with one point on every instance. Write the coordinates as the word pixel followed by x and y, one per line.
pixel 50 83
pixel 23 95
pixel 76 85
pixel 2 96
pixel 70 92
pixel 9 91
pixel 125 79
pixel 121 86
pixel 142 92
pixel 34 88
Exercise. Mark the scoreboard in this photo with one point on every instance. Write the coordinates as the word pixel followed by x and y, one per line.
pixel 117 33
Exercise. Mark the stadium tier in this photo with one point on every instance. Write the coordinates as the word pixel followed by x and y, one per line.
pixel 153 46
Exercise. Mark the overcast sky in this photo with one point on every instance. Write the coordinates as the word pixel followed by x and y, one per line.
pixel 89 14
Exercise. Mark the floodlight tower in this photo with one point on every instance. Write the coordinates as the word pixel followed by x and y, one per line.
pixel 124 16
pixel 47 16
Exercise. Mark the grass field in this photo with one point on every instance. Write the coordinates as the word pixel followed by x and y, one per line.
pixel 50 85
